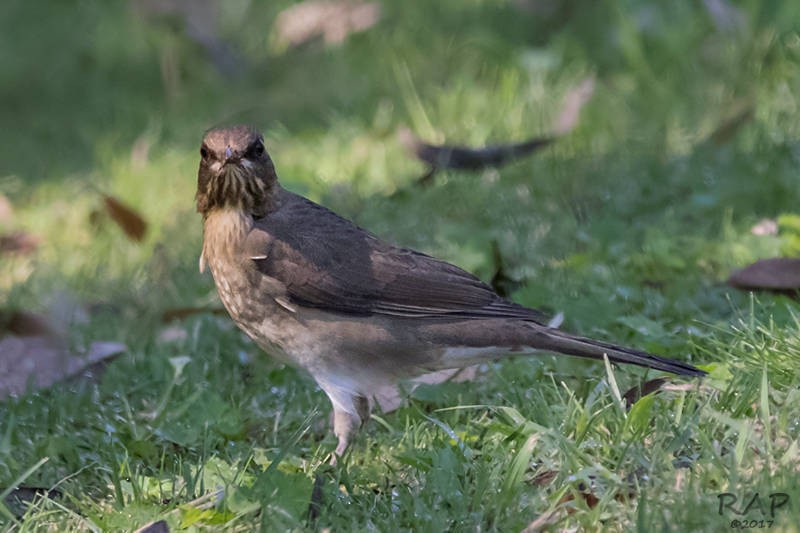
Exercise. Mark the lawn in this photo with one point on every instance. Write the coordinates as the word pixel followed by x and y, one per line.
pixel 629 225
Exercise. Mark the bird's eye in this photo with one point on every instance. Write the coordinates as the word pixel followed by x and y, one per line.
pixel 204 152
pixel 258 149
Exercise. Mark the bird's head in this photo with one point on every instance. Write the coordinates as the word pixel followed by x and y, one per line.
pixel 235 171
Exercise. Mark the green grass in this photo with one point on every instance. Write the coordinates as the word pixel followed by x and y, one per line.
pixel 629 225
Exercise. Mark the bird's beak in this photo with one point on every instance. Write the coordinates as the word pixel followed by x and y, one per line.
pixel 228 153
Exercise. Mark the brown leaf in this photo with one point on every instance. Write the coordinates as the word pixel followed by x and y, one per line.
pixel 574 101
pixel 728 129
pixel 465 158
pixel 543 521
pixel 41 362
pixel 586 495
pixel 126 218
pixel 775 274
pixel 333 21
pixel 634 393
pixel 172 334
pixel 765 226
pixel 24 324
pixel 19 243
pixel 542 479
pixel 159 526
pixel 19 499
pixel 6 210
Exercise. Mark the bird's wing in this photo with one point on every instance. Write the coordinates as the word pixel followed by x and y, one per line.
pixel 326 262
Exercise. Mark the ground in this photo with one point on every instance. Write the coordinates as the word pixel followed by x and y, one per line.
pixel 628 225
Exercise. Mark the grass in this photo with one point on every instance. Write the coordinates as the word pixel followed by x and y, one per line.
pixel 628 225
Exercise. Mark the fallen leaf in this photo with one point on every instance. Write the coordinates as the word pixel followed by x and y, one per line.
pixel 41 362
pixel 574 101
pixel 126 218
pixel 633 394
pixel 465 158
pixel 159 526
pixel 19 243
pixel 172 334
pixel 775 274
pixel 23 496
pixel 543 521
pixel 24 324
pixel 140 152
pixel 6 210
pixel 333 21
pixel 542 479
pixel 590 498
pixel 729 127
pixel 765 226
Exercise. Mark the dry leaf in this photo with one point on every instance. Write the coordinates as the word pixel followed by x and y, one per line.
pixel 140 152
pixel 19 499
pixel 18 243
pixel 587 496
pixel 6 211
pixel 542 479
pixel 765 226
pixel 465 158
pixel 634 393
pixel 126 218
pixel 543 521
pixel 574 101
pixel 333 21
pixel 776 274
pixel 41 362
pixel 172 334
pixel 159 526
pixel 729 127
pixel 24 324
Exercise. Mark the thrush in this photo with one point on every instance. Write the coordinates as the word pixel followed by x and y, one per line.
pixel 320 293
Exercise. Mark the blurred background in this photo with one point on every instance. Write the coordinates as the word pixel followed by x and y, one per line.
pixel 674 161
pixel 689 124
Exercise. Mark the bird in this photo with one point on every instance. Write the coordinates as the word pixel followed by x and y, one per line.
pixel 318 292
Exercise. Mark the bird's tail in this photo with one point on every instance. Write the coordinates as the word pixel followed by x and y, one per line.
pixel 559 341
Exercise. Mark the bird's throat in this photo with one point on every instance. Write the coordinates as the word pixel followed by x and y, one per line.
pixel 224 232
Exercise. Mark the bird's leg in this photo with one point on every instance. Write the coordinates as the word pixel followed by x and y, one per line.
pixel 345 422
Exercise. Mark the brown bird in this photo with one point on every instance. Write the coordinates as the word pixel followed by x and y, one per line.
pixel 318 292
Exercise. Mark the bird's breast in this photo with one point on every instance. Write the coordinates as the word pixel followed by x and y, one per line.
pixel 248 297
